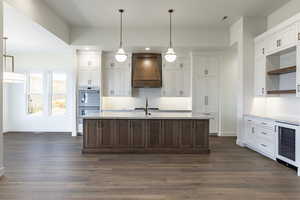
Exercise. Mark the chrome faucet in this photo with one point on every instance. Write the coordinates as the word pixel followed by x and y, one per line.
pixel 146 107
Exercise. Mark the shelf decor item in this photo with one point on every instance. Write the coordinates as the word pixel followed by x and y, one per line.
pixel 8 62
pixel 121 56
pixel 170 55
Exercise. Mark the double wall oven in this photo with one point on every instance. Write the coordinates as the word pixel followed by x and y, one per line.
pixel 288 143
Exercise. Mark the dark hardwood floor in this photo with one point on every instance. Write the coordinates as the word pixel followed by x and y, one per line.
pixel 51 167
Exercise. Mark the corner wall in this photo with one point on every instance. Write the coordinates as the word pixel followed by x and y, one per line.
pixel 1 92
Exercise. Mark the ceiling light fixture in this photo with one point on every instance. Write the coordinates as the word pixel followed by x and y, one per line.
pixel 10 77
pixel 121 56
pixel 170 55
pixel 147 49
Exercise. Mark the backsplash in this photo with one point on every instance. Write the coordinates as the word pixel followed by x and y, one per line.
pixel 276 106
pixel 154 97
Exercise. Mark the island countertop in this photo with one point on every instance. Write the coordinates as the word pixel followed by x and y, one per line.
pixel 153 115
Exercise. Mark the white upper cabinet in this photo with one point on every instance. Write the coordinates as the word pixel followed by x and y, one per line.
pixel 260 69
pixel 89 69
pixel 298 72
pixel 116 77
pixel 282 39
pixel 176 78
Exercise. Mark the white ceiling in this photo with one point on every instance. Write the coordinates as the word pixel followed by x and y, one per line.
pixel 153 13
pixel 26 36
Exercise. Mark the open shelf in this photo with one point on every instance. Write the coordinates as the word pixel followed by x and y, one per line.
pixel 284 70
pixel 282 92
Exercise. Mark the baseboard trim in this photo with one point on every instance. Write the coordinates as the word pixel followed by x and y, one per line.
pixel 1 172
pixel 227 134
pixel 39 132
pixel 240 143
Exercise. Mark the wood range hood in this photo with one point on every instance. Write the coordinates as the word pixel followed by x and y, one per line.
pixel 146 70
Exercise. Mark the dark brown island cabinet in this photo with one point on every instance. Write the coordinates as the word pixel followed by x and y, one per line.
pixel 146 136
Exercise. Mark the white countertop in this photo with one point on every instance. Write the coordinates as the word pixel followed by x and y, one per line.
pixel 154 115
pixel 284 119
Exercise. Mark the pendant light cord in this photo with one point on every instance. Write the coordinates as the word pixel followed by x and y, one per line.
pixel 170 11
pixel 121 27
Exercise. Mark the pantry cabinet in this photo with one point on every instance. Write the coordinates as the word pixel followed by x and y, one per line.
pixel 205 97
pixel 176 78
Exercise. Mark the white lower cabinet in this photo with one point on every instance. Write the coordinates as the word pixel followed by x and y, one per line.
pixel 260 135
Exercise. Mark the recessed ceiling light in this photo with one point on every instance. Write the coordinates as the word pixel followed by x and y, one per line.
pixel 147 49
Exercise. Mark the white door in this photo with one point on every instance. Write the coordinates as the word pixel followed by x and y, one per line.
pixel 260 76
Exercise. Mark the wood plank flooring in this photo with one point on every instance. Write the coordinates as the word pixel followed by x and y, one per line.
pixel 51 167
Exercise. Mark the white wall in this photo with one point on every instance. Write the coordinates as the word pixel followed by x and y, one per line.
pixel 1 93
pixel 228 96
pixel 283 13
pixel 242 34
pixel 17 118
pixel 40 13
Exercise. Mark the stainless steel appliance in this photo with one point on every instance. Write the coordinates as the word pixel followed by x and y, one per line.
pixel 88 104
pixel 288 143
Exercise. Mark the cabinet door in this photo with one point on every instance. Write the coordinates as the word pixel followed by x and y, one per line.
pixel 212 66
pixel 298 72
pixel 154 133
pixel 122 136
pixel 138 133
pixel 211 99
pixel 84 78
pixel 91 133
pixel 186 134
pixel 288 36
pixel 95 78
pixel 199 93
pixel 184 84
pixel 214 124
pixel 260 76
pixel 249 132
pixel 106 133
pixel 108 82
pixel 201 132
pixel 169 77
pixel 171 132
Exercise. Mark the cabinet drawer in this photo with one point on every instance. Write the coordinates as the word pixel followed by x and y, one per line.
pixel 266 134
pixel 266 146
pixel 265 124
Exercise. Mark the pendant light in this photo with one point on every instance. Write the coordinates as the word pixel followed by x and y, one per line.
pixel 121 56
pixel 170 55
pixel 10 77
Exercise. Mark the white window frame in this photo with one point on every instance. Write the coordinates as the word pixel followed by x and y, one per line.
pixel 51 93
pixel 28 93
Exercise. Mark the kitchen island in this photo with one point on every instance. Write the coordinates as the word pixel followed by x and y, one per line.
pixel 135 132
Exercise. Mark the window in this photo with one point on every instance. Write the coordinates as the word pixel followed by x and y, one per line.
pixel 59 97
pixel 35 93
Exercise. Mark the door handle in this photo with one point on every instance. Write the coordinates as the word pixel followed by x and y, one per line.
pixel 206 100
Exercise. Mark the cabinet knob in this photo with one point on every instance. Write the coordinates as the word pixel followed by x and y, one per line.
pixel 206 72
pixel 298 36
pixel 262 91
pixel 181 65
pixel 298 88
pixel 112 64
